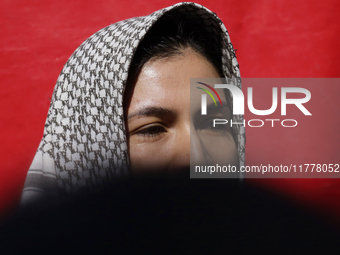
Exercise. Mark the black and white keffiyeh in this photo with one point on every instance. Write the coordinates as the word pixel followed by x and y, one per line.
pixel 84 142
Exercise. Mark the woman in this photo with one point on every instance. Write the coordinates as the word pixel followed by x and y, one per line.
pixel 121 102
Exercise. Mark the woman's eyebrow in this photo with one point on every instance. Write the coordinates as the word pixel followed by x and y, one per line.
pixel 153 111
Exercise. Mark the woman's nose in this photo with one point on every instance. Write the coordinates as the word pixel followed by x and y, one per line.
pixel 188 150
pixel 181 153
pixel 198 153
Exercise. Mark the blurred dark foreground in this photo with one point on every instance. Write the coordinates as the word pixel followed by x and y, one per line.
pixel 168 214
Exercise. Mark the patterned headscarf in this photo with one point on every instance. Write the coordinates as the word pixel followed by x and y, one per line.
pixel 84 142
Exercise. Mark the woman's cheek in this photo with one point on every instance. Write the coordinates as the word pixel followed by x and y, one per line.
pixel 221 149
pixel 147 156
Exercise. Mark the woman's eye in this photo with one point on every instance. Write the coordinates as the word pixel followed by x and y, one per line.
pixel 151 131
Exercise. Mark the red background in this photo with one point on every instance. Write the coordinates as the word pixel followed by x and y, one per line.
pixel 272 38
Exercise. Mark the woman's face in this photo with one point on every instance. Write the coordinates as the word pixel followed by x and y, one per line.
pixel 162 128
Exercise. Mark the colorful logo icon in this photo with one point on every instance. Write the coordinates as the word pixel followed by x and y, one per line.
pixel 212 89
